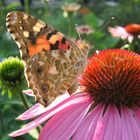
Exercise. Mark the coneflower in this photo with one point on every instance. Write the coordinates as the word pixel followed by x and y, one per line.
pixel 129 31
pixel 106 106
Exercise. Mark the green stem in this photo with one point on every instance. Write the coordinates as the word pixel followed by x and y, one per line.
pixel 27 6
pixel 69 23
pixel 2 122
pixel 25 103
pixel 23 99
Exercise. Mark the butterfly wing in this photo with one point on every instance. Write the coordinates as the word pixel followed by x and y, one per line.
pixel 52 62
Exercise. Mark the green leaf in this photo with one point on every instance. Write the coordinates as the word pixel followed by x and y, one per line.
pixel 34 133
pixel 92 20
pixel 110 42
pixel 12 5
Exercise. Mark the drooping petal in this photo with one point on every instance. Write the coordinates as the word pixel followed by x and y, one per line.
pixel 93 126
pixel 38 109
pixel 32 112
pixel 135 124
pixel 130 129
pixel 84 130
pixel 113 128
pixel 64 123
pixel 100 128
pixel 79 98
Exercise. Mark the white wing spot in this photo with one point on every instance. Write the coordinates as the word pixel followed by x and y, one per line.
pixel 26 33
pixel 25 17
pixel 36 28
pixel 40 23
pixel 21 27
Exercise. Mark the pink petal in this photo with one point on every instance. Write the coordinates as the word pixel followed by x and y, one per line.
pixel 38 109
pixel 64 123
pixel 28 92
pixel 131 130
pixel 34 111
pixel 113 129
pixel 119 31
pixel 100 128
pixel 79 98
pixel 87 124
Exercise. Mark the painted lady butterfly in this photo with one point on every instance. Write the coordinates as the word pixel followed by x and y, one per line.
pixel 53 62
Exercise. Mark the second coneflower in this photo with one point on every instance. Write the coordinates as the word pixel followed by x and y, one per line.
pixel 129 31
pixel 105 108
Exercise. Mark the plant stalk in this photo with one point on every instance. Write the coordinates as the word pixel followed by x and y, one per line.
pixel 27 6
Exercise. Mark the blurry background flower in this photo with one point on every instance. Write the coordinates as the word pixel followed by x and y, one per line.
pixel 130 34
pixel 70 8
pixel 108 103
pixel 85 29
pixel 129 31
pixel 84 10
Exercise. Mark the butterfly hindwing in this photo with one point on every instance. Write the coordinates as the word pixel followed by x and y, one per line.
pixel 52 62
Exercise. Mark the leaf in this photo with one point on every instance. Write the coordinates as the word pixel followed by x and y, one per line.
pixel 92 20
pixel 34 133
pixel 12 5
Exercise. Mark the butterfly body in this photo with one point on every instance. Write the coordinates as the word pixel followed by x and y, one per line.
pixel 53 63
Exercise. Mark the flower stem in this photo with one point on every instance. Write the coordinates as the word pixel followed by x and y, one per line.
pixel 25 103
pixel 27 6
pixel 69 23
pixel 2 122
pixel 23 99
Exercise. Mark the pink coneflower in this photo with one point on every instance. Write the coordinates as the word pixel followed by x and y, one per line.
pixel 127 32
pixel 84 29
pixel 105 108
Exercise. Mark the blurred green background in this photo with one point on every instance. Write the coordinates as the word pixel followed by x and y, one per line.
pixel 95 13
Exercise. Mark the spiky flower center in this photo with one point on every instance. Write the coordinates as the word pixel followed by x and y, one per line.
pixel 113 77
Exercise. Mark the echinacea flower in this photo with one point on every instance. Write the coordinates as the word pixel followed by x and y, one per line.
pixel 127 32
pixel 106 107
pixel 84 29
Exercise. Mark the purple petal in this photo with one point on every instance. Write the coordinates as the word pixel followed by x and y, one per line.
pixel 93 126
pixel 38 109
pixel 87 124
pixel 65 123
pixel 113 128
pixel 79 98
pixel 34 111
pixel 130 125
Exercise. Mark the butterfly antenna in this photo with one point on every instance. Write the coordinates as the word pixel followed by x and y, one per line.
pixel 78 31
pixel 106 23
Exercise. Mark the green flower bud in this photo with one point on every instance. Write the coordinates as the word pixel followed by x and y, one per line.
pixel 12 77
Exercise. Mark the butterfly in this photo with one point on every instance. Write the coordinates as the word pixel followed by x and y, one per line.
pixel 53 63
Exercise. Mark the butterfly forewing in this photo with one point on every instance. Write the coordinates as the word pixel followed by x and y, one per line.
pixel 52 62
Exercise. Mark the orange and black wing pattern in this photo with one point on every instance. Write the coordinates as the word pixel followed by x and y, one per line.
pixel 52 62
